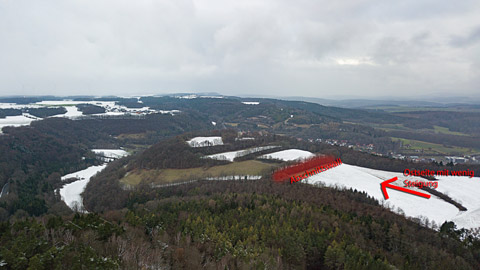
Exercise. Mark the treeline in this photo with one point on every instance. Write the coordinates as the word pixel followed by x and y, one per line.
pixel 130 103
pixel 162 124
pixel 21 100
pixel 45 112
pixel 75 133
pixel 38 112
pixel 466 122
pixel 90 108
pixel 9 112
pixel 236 225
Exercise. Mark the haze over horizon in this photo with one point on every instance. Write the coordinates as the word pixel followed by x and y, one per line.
pixel 369 48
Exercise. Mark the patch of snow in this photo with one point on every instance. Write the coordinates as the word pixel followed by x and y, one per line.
pixel 244 139
pixel 236 177
pixel 111 153
pixel 172 112
pixel 211 97
pixel 240 153
pixel 289 155
pixel 187 96
pixel 72 112
pixel 4 190
pixel 464 190
pixel 17 120
pixel 250 102
pixel 70 193
pixel 85 173
pixel 205 141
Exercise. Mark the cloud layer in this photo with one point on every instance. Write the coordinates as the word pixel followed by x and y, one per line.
pixel 368 48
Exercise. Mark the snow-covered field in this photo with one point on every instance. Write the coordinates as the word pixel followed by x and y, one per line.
pixel 193 96
pixel 17 120
pixel 111 153
pixel 289 155
pixel 111 109
pixel 205 141
pixel 84 174
pixel 70 193
pixel 72 112
pixel 250 102
pixel 240 153
pixel 464 190
pixel 461 189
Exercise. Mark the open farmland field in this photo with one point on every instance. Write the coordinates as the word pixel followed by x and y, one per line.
pixel 249 167
pixel 444 130
pixel 401 127
pixel 434 148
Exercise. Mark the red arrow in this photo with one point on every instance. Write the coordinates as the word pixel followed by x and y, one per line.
pixel 386 184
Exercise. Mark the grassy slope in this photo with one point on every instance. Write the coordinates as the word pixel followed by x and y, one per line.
pixel 249 167
pixel 433 147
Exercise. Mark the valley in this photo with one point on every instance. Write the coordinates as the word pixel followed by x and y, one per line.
pixel 109 160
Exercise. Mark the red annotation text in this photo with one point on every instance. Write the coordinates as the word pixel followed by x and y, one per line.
pixel 420 184
pixel 312 166
pixel 315 171
pixel 446 172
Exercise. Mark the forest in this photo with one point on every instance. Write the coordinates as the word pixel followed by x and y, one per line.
pixel 215 224
pixel 239 225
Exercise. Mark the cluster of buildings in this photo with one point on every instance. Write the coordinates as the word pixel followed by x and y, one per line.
pixel 444 159
pixel 345 143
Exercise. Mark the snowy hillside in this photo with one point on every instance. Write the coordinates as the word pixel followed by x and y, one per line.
pixel 111 153
pixel 16 121
pixel 461 189
pixel 70 193
pixel 205 141
pixel 288 155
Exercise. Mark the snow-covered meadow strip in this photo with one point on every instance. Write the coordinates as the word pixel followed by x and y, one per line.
pixel 84 174
pixel 236 177
pixel 289 155
pixel 111 153
pixel 17 121
pixel 240 153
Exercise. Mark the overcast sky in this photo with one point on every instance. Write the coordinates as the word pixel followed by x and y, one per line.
pixel 357 48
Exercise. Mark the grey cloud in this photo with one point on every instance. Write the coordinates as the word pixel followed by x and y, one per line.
pixel 271 47
pixel 472 38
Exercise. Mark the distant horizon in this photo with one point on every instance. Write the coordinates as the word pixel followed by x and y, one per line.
pixel 421 98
